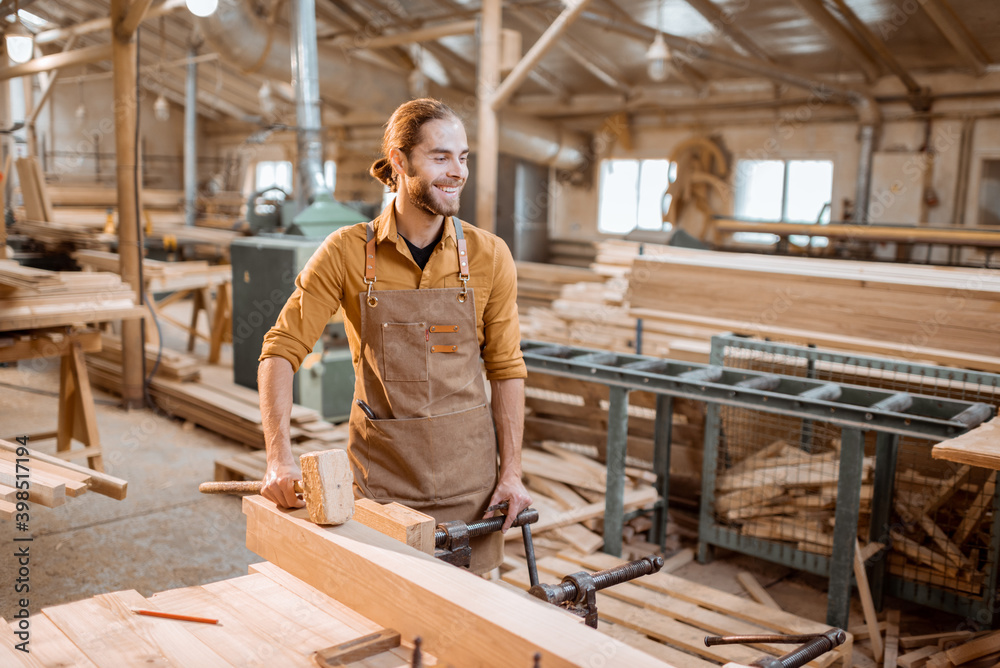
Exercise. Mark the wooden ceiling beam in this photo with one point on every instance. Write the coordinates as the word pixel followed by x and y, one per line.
pixel 723 22
pixel 879 47
pixel 963 41
pixel 603 71
pixel 136 14
pixel 537 51
pixel 841 37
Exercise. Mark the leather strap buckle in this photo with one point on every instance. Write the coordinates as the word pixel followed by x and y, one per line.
pixel 372 299
pixel 463 295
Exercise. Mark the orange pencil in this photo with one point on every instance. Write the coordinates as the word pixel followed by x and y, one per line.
pixel 170 615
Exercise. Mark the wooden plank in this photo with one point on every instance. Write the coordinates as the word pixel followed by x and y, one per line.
pixel 978 447
pixel 50 474
pixel 41 490
pixel 248 637
pixel 756 591
pixel 386 580
pixel 890 656
pixel 918 657
pixel 10 655
pixel 974 513
pixel 661 651
pixel 974 649
pixel 51 647
pixel 109 634
pixel 707 597
pixel 635 498
pixel 867 604
pixel 912 642
pixel 397 521
pixel 101 483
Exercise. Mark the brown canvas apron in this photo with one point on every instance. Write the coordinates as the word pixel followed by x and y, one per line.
pixel 432 445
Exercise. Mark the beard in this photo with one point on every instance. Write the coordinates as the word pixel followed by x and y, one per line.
pixel 421 194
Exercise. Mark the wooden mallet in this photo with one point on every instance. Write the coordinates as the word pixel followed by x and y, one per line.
pixel 327 486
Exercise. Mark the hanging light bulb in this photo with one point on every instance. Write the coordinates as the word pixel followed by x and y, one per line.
pixel 161 108
pixel 657 57
pixel 20 43
pixel 202 7
pixel 265 98
pixel 81 108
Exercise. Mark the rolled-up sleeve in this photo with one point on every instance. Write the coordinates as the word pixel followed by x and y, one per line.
pixel 317 296
pixel 501 331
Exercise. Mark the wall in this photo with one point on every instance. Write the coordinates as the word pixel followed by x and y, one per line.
pixel 85 152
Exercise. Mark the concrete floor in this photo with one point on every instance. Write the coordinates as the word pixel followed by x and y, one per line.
pixel 166 534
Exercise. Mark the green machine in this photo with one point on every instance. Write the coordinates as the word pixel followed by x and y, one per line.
pixel 264 271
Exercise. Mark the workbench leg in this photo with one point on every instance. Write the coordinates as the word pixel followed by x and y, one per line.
pixel 886 447
pixel 202 302
pixel 614 502
pixel 77 415
pixel 845 530
pixel 662 432
pixel 709 462
pixel 222 322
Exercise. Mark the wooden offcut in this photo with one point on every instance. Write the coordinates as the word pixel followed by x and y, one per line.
pixel 978 447
pixel 395 520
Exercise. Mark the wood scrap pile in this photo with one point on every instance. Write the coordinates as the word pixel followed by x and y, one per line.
pixel 34 298
pixel 170 364
pixel 933 313
pixel 668 617
pixel 52 479
pixel 160 276
pixel 568 489
pixel 572 252
pixel 784 494
pixel 894 641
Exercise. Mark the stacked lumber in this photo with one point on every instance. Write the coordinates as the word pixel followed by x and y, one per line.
pixel 52 479
pixel 925 311
pixel 63 233
pixel 160 276
pixel 267 613
pixel 572 252
pixel 539 284
pixel 222 407
pixel 170 364
pixel 35 298
pixel 668 617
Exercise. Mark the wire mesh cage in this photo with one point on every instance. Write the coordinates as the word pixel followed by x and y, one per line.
pixel 776 480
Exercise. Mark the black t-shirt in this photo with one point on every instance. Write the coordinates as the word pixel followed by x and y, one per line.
pixel 422 255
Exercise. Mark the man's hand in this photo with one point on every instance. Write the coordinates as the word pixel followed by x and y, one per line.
pixel 279 484
pixel 512 490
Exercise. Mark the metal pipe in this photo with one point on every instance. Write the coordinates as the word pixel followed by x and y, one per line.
pixel 871 126
pixel 305 74
pixel 190 139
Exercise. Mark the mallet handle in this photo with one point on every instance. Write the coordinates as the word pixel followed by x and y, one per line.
pixel 238 487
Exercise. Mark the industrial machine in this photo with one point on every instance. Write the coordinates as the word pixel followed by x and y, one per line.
pixel 264 271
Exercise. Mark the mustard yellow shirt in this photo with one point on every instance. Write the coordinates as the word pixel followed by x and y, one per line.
pixel 334 277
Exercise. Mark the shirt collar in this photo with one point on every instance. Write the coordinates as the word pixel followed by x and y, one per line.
pixel 385 226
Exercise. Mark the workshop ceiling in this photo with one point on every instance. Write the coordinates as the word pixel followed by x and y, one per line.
pixel 847 41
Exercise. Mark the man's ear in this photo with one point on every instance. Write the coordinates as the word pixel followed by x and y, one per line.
pixel 398 161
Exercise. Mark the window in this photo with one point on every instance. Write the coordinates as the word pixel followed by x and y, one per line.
pixel 789 191
pixel 989 193
pixel 632 195
pixel 330 174
pixel 274 174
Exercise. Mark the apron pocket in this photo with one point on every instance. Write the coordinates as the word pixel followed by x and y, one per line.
pixel 404 351
pixel 431 458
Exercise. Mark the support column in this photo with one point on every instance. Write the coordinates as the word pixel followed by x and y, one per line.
pixel 190 139
pixel 129 196
pixel 488 138
pixel 845 529
pixel 614 501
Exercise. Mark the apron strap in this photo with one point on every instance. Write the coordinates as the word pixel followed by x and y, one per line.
pixel 463 260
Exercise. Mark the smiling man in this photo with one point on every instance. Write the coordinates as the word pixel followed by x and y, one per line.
pixel 428 301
